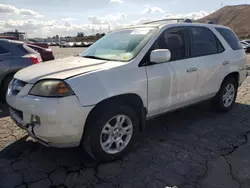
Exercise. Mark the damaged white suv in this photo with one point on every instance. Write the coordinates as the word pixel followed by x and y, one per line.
pixel 101 99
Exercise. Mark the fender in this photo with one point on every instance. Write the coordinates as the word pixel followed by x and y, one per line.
pixel 94 87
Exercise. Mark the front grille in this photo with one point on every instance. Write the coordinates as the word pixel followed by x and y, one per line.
pixel 17 86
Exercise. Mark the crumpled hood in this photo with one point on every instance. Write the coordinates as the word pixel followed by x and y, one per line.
pixel 61 69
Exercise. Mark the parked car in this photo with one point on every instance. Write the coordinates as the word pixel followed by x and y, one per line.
pixel 64 44
pixel 246 46
pixel 247 41
pixel 78 44
pixel 87 44
pixel 46 53
pixel 14 55
pixel 102 98
pixel 71 44
pixel 40 44
pixel 29 41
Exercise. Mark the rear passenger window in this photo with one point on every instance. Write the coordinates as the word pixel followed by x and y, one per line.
pixel 3 50
pixel 231 38
pixel 204 42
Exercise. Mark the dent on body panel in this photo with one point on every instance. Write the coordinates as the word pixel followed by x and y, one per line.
pixel 94 87
pixel 211 73
pixel 174 85
pixel 237 61
pixel 87 88
pixel 161 87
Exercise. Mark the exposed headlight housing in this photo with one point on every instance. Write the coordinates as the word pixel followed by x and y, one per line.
pixel 51 88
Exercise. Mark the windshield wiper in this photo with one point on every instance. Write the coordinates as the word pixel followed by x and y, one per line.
pixel 94 57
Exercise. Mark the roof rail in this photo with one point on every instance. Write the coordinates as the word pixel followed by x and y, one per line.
pixel 167 19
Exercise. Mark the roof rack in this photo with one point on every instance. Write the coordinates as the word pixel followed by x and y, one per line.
pixel 169 19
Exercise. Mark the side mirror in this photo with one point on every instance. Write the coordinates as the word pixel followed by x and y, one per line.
pixel 160 56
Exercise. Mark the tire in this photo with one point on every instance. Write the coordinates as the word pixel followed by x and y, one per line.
pixel 5 85
pixel 221 105
pixel 93 137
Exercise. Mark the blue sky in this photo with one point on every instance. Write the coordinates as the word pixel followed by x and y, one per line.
pixel 66 17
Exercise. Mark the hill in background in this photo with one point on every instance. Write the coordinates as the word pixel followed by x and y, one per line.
pixel 236 17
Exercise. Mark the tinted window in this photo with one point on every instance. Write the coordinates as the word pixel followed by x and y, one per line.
pixel 174 39
pixel 34 48
pixel 25 49
pixel 3 50
pixel 231 38
pixel 204 42
pixel 219 46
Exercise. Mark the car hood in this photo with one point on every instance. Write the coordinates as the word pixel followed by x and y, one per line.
pixel 62 68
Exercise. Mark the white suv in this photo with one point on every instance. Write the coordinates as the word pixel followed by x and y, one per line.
pixel 102 98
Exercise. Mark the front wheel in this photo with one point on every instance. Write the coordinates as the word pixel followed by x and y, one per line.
pixel 225 98
pixel 113 134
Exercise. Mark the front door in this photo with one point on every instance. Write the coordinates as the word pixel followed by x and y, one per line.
pixel 172 84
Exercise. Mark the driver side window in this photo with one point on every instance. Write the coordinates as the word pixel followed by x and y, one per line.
pixel 173 39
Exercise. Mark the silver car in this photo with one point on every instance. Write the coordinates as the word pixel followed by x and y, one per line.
pixel 14 55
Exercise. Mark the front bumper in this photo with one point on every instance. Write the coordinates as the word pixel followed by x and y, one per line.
pixel 61 120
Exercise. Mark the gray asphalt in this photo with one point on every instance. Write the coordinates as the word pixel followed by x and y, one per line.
pixel 192 147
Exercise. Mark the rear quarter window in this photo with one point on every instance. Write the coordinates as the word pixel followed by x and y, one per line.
pixel 231 38
pixel 27 50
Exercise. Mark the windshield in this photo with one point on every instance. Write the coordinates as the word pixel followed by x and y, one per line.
pixel 121 45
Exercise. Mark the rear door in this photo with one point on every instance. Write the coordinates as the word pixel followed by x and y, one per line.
pixel 210 57
pixel 235 54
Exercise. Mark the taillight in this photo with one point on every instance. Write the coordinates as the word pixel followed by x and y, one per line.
pixel 34 60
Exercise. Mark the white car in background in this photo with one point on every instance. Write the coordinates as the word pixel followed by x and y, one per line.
pixel 66 44
pixel 247 41
pixel 102 98
pixel 246 46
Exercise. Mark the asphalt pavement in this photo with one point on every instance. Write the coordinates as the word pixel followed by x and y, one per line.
pixel 192 147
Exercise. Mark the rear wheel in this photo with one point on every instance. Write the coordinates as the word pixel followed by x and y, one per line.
pixel 112 135
pixel 225 98
pixel 5 85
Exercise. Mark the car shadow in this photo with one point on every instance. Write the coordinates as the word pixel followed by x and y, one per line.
pixel 191 135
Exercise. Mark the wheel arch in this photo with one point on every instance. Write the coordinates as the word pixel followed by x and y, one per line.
pixel 132 100
pixel 2 79
pixel 235 75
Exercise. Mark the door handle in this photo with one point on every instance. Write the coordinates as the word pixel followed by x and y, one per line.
pixel 225 62
pixel 192 69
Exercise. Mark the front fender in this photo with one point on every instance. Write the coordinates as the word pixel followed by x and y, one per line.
pixel 94 87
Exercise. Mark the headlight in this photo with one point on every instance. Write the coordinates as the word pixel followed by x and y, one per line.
pixel 51 88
